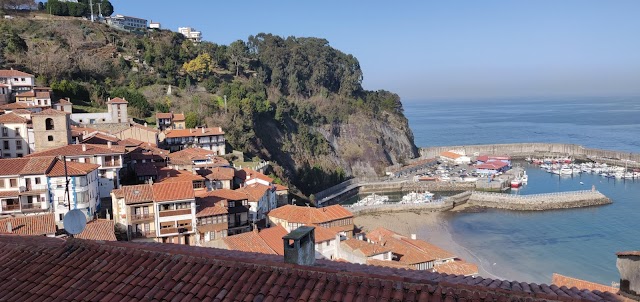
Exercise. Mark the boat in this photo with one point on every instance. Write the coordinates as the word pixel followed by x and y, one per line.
pixel 372 200
pixel 516 183
pixel 416 197
pixel 524 178
pixel 566 171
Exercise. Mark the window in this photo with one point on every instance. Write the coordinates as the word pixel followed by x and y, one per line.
pixel 22 79
pixel 183 205
pixel 232 204
pixel 50 138
pixel 13 182
pixel 1 183
pixel 37 180
pixel 5 131
pixel 48 124
pixel 166 225
pixel 244 202
pixel 18 154
pixel 19 145
pixel 5 144
pixel 166 207
pixel 17 131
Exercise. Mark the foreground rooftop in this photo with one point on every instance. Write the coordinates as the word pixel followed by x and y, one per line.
pixel 46 269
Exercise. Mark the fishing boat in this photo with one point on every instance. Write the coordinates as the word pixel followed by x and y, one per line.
pixel 416 197
pixel 372 200
pixel 516 183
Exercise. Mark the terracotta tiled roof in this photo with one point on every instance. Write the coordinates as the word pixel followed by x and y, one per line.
pixel 160 115
pixel 449 154
pixel 47 112
pixel 220 173
pixel 428 248
pixel 569 282
pixel 248 242
pixel 130 142
pixel 388 263
pixel 129 271
pixel 32 225
pixel 73 169
pixel 324 234
pixel 255 191
pixel 194 132
pixel 173 191
pixel 410 251
pixel 178 117
pixel 273 238
pixel 99 137
pixel 364 248
pixel 309 215
pixel 43 95
pixel 210 206
pixel 135 194
pixel 26 94
pixel 8 73
pixel 281 188
pixel 187 156
pixel 117 101
pixel 457 267
pixel 100 229
pixel 26 166
pixel 21 111
pixel 76 150
pixel 170 175
pixel 246 174
pixel 64 102
pixel 232 195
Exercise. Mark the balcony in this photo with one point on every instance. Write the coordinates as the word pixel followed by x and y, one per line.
pixel 238 224
pixel 33 189
pixel 174 212
pixel 143 234
pixel 138 217
pixel 167 231
pixel 33 207
pixel 115 163
pixel 10 207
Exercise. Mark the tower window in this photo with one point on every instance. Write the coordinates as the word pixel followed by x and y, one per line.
pixel 50 138
pixel 49 124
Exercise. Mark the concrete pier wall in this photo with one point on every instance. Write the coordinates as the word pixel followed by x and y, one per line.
pixel 522 150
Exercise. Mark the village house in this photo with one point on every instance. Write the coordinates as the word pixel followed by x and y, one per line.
pixel 14 136
pixel 218 177
pixel 166 175
pixel 31 225
pixel 139 132
pixel 116 113
pixel 38 185
pixel 492 168
pixel 14 81
pixel 211 139
pixel 266 241
pixel 362 252
pixel 39 96
pixel 237 204
pixel 211 218
pixel 161 212
pixel 126 22
pixel 64 105
pixel 335 218
pixel 454 158
pixel 107 157
pixel 165 121
pixel 193 159
pixel 262 199
pixel 246 176
pixel 191 34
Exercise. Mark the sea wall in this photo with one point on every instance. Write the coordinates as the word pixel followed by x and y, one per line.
pixel 408 186
pixel 522 150
pixel 538 202
pixel 445 205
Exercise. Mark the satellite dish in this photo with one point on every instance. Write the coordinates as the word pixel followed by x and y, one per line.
pixel 74 222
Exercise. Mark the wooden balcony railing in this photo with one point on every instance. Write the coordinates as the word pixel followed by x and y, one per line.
pixel 11 207
pixel 136 217
pixel 174 212
pixel 166 231
pixel 115 163
pixel 143 234
pixel 32 207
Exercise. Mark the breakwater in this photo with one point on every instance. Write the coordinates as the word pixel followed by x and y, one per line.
pixel 534 202
pixel 540 150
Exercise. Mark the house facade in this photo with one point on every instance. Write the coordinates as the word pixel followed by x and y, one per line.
pixel 211 139
pixel 191 34
pixel 127 22
pixel 165 121
pixel 262 199
pixel 237 206
pixel 335 217
pixel 16 81
pixel 116 113
pixel 157 212
pixel 14 137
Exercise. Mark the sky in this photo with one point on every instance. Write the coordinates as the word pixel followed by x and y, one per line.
pixel 456 49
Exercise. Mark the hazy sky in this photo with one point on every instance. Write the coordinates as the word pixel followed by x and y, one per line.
pixel 443 49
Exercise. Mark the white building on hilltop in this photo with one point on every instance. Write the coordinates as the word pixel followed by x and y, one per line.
pixel 116 113
pixel 127 22
pixel 191 34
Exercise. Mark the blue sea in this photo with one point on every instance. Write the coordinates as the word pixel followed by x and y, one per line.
pixel 530 246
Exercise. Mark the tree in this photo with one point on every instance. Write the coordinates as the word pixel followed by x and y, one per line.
pixel 199 67
pixel 15 44
pixel 191 120
pixel 239 55
pixel 57 8
pixel 107 8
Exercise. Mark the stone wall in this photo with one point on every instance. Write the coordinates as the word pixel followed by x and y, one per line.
pixel 538 202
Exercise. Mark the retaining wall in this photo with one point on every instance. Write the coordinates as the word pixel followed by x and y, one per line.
pixel 538 202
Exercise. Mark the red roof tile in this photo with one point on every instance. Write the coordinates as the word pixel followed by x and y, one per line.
pixel 273 238
pixel 26 94
pixel 8 73
pixel 160 115
pixel 364 248
pixel 64 102
pixel 26 166
pixel 211 206
pixel 309 215
pixel 194 132
pixel 569 282
pixel 246 174
pixel 324 234
pixel 255 191
pixel 248 242
pixel 219 173
pixel 135 194
pixel 32 225
pixel 170 175
pixel 187 156
pixel 178 117
pixel 11 117
pixel 34 269
pixel 492 165
pixel 409 250
pixel 117 101
pixel 173 191
pixel 231 195
pixel 100 229
pixel 48 112
pixel 76 150
pixel 449 154
pixel 73 169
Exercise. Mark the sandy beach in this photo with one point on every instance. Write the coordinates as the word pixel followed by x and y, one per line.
pixel 428 226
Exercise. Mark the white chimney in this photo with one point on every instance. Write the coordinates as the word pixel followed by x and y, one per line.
pixel 9 228
pixel 413 236
pixel 145 124
pixel 109 99
pixel 202 129
pixel 109 144
pixel 84 147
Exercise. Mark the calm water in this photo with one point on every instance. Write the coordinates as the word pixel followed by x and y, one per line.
pixel 531 246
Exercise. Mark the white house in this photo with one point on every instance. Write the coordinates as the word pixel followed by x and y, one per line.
pixel 154 25
pixel 262 199
pixel 191 34
pixel 14 136
pixel 455 158
pixel 127 22
pixel 83 189
pixel 116 113
pixel 17 81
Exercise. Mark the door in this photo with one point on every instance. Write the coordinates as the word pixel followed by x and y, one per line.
pixel 28 183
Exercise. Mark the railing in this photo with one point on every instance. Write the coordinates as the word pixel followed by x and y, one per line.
pixel 238 224
pixel 147 216
pixel 533 196
pixel 143 234
pixel 11 207
pixel 115 163
pixel 39 187
pixel 166 231
pixel 174 212
pixel 36 206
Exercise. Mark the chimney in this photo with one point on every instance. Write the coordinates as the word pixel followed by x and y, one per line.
pixel 145 124
pixel 203 129
pixel 77 141
pixel 108 215
pixel 336 251
pixel 69 99
pixel 84 147
pixel 629 267
pixel 299 246
pixel 108 99
pixel 413 236
pixel 9 228
pixel 109 144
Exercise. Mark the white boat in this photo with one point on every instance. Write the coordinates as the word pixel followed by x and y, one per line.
pixel 372 200
pixel 524 178
pixel 416 197
pixel 566 171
